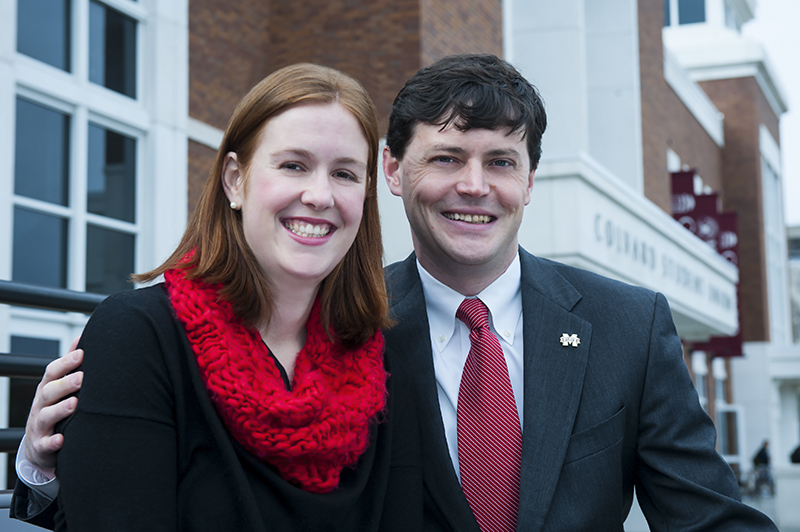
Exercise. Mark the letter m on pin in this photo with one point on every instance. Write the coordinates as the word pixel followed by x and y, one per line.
pixel 570 339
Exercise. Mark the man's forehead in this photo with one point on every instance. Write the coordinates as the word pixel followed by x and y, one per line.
pixel 453 133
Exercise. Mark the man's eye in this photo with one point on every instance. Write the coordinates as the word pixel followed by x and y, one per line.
pixel 502 162
pixel 443 159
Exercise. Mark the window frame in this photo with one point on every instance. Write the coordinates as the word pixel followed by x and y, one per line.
pixel 157 119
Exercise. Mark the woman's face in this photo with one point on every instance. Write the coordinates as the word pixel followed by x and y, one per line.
pixel 303 197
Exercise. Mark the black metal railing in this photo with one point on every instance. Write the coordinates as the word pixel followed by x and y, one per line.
pixel 25 366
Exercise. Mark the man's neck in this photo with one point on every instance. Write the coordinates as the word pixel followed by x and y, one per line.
pixel 467 280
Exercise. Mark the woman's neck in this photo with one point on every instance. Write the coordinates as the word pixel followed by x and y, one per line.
pixel 285 333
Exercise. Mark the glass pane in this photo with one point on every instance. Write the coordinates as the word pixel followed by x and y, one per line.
pixel 109 260
pixel 726 433
pixel 40 249
pixel 43 31
pixel 112 49
pixel 41 153
pixel 691 11
pixel 24 345
pixel 111 186
pixel 666 12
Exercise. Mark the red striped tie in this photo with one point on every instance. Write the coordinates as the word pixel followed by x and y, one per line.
pixel 489 435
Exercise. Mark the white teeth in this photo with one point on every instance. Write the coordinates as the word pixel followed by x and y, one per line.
pixel 470 218
pixel 307 230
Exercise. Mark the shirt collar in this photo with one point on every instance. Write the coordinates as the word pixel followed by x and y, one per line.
pixel 502 297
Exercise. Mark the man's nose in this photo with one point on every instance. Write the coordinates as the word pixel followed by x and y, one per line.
pixel 472 180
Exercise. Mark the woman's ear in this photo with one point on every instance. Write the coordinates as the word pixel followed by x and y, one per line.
pixel 232 178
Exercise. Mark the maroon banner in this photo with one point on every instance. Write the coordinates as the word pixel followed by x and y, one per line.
pixel 700 214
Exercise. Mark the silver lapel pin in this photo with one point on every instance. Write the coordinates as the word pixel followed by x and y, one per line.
pixel 570 339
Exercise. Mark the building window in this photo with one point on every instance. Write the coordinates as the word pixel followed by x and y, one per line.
pixel 780 320
pixel 41 157
pixel 43 31
pixel 700 373
pixel 679 12
pixel 726 414
pixel 111 186
pixel 41 181
pixel 84 202
pixel 112 49
pixel 104 225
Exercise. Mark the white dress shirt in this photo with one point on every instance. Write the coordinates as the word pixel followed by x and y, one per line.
pixel 43 488
pixel 450 340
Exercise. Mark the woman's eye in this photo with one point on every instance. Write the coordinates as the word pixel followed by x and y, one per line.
pixel 345 175
pixel 291 166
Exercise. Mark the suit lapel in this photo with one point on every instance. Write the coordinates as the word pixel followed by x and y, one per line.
pixel 553 378
pixel 410 344
pixel 553 383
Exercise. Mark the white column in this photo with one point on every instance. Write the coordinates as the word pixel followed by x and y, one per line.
pixel 549 48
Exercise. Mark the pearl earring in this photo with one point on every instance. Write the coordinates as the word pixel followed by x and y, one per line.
pixel 234 206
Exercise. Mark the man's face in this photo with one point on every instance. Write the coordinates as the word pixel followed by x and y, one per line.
pixel 464 194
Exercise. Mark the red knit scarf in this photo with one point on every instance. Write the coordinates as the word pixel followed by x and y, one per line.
pixel 309 433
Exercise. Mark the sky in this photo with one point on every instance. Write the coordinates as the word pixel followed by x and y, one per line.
pixel 775 26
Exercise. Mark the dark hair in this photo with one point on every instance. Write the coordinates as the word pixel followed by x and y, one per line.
pixel 353 295
pixel 470 92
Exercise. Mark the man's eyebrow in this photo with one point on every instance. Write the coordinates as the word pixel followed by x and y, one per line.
pixel 446 148
pixel 504 152
pixel 497 152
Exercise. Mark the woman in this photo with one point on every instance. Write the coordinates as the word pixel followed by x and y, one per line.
pixel 247 391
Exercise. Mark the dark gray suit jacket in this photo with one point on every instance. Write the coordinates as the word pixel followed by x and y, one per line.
pixel 617 411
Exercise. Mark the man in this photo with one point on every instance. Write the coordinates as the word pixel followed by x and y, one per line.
pixel 588 395
pixel 598 378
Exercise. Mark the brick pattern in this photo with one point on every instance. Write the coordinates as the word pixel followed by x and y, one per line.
pixel 201 158
pixel 666 121
pixel 465 26
pixel 228 54
pixel 733 171
pixel 745 108
pixel 375 41
pixel 381 43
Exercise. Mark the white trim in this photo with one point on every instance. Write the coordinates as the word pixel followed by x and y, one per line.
pixel 595 223
pixel 699 363
pixel 697 101
pixel 769 149
pixel 718 369
pixel 204 134
pixel 757 69
pixel 720 53
pixel 508 33
pixel 746 9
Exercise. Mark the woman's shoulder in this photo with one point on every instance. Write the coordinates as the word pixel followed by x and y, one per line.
pixel 144 311
pixel 153 297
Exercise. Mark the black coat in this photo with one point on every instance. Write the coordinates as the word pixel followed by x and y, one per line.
pixel 146 450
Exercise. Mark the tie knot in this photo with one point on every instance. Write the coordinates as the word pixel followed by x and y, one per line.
pixel 473 313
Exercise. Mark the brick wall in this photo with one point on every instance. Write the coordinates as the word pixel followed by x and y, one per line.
pixel 745 108
pixel 666 122
pixel 466 26
pixel 201 158
pixel 229 53
pixel 381 43
pixel 375 41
